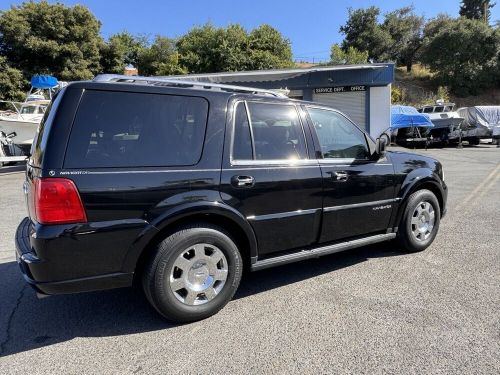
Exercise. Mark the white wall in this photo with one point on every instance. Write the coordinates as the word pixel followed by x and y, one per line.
pixel 380 109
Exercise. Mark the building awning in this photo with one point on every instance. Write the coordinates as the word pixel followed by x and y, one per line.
pixel 377 74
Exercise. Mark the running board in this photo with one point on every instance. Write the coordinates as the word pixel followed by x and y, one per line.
pixel 320 251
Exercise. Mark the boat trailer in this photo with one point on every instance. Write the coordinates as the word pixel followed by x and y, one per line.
pixel 10 152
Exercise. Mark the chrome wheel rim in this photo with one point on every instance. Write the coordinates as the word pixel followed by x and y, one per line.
pixel 422 221
pixel 199 274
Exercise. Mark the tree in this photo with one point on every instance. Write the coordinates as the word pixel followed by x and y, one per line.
pixel 268 49
pixel 464 55
pixel 121 49
pixel 11 82
pixel 405 29
pixel 232 49
pixel 352 56
pixel 476 9
pixel 363 32
pixel 43 38
pixel 208 49
pixel 160 59
pixel 435 25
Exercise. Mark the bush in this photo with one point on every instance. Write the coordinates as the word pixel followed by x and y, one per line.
pixel 397 95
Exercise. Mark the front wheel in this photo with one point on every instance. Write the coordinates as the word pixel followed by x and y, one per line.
pixel 193 274
pixel 420 221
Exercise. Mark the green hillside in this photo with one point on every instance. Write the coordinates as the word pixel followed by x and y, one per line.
pixel 416 88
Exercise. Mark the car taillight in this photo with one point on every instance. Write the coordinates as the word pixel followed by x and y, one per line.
pixel 57 201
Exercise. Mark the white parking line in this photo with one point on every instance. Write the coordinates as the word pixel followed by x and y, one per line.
pixel 481 189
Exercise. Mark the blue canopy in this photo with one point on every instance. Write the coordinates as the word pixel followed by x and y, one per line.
pixel 44 82
pixel 403 116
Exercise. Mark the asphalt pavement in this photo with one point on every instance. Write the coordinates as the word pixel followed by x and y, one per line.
pixel 366 311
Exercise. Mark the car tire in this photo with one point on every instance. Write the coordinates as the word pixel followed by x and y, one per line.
pixel 420 222
pixel 193 273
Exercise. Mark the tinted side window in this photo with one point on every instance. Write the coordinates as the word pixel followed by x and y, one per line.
pixel 120 129
pixel 242 142
pixel 277 132
pixel 338 137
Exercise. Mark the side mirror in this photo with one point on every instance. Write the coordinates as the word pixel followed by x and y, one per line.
pixel 380 147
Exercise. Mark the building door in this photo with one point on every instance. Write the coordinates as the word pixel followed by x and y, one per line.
pixel 351 103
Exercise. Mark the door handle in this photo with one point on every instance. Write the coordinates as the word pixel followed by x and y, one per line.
pixel 242 181
pixel 340 176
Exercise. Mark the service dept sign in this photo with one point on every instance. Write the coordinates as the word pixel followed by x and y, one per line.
pixel 332 90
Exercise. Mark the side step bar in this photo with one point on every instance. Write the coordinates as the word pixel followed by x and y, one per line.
pixel 320 251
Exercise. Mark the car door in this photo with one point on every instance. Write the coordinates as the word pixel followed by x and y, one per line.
pixel 269 176
pixel 358 192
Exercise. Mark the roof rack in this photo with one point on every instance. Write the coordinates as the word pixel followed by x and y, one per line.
pixel 157 81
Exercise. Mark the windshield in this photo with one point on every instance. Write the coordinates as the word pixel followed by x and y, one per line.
pixel 29 110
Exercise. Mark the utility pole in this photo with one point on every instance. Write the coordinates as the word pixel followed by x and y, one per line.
pixel 486 5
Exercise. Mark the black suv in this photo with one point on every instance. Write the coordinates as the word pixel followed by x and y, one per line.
pixel 180 184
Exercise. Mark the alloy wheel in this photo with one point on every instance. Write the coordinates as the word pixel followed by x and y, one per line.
pixel 199 274
pixel 422 221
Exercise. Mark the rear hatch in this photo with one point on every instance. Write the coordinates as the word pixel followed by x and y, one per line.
pixel 49 145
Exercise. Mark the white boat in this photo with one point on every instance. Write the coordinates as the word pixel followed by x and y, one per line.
pixel 21 123
pixel 442 115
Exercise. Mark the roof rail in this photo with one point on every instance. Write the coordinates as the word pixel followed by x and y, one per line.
pixel 183 83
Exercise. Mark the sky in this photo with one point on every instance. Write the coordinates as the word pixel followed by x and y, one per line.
pixel 312 26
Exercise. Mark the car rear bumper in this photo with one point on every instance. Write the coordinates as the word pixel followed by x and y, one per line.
pixel 36 270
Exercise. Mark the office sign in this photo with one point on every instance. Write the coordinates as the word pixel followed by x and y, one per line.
pixel 336 89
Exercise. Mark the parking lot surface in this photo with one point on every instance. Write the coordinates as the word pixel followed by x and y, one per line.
pixel 370 310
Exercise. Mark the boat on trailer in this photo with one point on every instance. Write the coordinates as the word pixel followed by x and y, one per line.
pixel 22 123
pixel 19 121
pixel 445 119
pixel 480 122
pixel 409 128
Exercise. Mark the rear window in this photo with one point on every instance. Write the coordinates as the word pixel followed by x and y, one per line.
pixel 121 129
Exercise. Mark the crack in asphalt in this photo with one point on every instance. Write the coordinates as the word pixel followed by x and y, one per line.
pixel 9 321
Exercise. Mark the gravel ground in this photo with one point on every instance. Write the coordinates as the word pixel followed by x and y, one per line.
pixel 371 310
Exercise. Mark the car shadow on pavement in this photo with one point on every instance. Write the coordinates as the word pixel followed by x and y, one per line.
pixel 265 280
pixel 29 323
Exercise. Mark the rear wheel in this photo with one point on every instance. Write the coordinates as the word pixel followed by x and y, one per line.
pixel 420 221
pixel 193 274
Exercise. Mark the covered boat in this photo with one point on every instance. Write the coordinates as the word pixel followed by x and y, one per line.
pixel 408 125
pixel 403 116
pixel 479 121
